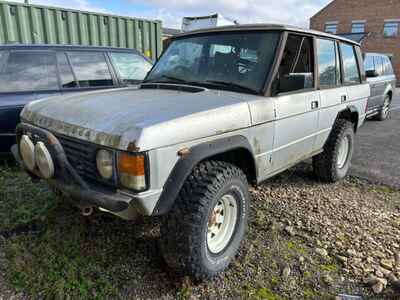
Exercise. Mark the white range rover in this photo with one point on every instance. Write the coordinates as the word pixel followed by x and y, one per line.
pixel 221 109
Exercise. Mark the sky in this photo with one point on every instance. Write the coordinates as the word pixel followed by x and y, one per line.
pixel 171 12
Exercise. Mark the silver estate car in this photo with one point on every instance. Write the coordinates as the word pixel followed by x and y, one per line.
pixel 381 77
pixel 221 109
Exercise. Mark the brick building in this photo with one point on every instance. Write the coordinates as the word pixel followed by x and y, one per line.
pixel 374 23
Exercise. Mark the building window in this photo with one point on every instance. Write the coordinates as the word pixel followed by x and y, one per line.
pixel 358 27
pixel 391 28
pixel 331 27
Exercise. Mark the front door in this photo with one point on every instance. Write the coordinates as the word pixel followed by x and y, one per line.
pixel 297 104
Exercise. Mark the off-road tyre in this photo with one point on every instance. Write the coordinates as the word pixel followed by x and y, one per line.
pixel 325 164
pixel 184 233
pixel 385 110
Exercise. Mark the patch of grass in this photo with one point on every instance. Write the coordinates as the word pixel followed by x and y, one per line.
pixel 266 294
pixel 330 267
pixel 383 189
pixel 58 268
pixel 21 201
pixel 309 294
pixel 291 245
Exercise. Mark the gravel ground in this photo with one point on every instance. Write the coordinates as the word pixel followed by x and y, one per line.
pixel 305 240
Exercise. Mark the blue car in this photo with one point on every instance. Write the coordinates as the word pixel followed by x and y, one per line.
pixel 32 72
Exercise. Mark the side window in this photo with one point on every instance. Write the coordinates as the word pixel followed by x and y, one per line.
pixel 378 65
pixel 131 68
pixel 66 75
pixel 29 71
pixel 296 71
pixel 328 63
pixel 369 63
pixel 350 66
pixel 91 69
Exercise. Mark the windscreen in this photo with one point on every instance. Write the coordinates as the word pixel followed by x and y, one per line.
pixel 238 61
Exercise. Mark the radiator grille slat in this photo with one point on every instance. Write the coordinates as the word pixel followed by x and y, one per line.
pixel 82 156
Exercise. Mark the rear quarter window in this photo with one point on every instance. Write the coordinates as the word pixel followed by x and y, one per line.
pixel 91 69
pixel 388 66
pixel 351 74
pixel 29 71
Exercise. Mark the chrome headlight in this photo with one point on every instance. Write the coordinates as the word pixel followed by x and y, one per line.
pixel 105 163
pixel 44 161
pixel 27 150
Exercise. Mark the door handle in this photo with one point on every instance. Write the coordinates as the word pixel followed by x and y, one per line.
pixel 344 98
pixel 314 104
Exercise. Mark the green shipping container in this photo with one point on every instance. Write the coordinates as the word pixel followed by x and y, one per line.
pixel 35 24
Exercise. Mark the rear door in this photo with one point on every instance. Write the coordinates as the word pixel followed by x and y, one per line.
pixel 332 91
pixel 369 65
pixel 358 90
pixel 296 103
pixel 378 84
pixel 25 76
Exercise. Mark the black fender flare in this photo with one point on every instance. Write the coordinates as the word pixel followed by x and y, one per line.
pixel 353 110
pixel 186 163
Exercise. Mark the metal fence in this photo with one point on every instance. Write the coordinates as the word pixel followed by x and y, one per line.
pixel 35 24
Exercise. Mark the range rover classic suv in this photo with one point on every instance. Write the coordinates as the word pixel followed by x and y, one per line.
pixel 222 109
pixel 381 77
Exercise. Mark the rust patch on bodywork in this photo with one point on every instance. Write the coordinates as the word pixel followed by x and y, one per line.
pixel 79 132
pixel 257 146
pixel 132 147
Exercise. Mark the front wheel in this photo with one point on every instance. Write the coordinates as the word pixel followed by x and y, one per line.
pixel 203 232
pixel 334 162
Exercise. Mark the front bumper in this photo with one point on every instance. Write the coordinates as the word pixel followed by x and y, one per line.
pixel 66 179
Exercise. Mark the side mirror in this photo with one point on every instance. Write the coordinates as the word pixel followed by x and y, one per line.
pixel 295 81
pixel 371 73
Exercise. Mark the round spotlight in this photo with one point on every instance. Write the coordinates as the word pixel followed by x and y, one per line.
pixel 104 161
pixel 27 150
pixel 44 161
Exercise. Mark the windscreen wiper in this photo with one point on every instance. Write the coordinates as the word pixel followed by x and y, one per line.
pixel 231 84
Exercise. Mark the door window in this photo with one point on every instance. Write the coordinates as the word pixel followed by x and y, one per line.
pixel 378 65
pixel 350 66
pixel 65 70
pixel 91 69
pixel 328 63
pixel 369 63
pixel 296 71
pixel 131 68
pixel 29 71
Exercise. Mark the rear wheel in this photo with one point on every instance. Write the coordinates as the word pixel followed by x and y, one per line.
pixel 384 112
pixel 334 162
pixel 203 232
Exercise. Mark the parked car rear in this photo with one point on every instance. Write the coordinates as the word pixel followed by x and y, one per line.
pixel 381 77
pixel 31 72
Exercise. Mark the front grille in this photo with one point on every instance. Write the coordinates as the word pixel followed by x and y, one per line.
pixel 82 157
